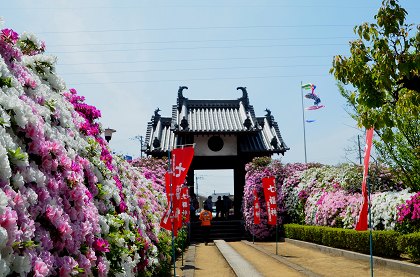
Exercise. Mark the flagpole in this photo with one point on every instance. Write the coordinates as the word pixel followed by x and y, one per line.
pixel 303 122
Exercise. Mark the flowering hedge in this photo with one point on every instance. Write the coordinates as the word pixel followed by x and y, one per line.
pixel 259 168
pixel 323 195
pixel 67 206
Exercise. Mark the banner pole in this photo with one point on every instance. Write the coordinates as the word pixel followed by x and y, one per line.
pixel 182 245
pixel 277 238
pixel 253 235
pixel 172 212
pixel 370 233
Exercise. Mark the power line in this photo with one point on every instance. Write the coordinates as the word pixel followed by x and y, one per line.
pixel 187 69
pixel 194 60
pixel 198 79
pixel 197 47
pixel 196 41
pixel 197 28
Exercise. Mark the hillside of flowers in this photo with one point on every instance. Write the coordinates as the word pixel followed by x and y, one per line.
pixel 67 206
pixel 322 195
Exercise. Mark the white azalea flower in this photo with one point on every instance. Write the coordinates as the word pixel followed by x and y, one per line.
pixel 3 237
pixel 17 180
pixel 4 268
pixel 3 202
pixel 21 265
pixel 5 170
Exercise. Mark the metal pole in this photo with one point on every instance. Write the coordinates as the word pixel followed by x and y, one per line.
pixel 253 235
pixel 172 212
pixel 360 151
pixel 370 233
pixel 303 122
pixel 277 238
pixel 182 245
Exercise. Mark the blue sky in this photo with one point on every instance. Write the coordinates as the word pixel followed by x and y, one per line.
pixel 129 57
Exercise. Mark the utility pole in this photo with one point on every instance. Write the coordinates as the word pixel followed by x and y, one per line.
pixel 196 184
pixel 141 146
pixel 140 138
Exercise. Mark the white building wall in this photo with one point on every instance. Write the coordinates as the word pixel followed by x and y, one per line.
pixel 202 148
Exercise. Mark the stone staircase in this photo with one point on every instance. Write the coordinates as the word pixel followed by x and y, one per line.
pixel 228 230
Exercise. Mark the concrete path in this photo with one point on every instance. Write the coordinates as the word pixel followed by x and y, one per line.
pixel 294 258
pixel 239 265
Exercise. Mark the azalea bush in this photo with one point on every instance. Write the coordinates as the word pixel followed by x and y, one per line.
pixel 409 214
pixel 67 206
pixel 256 170
pixel 322 195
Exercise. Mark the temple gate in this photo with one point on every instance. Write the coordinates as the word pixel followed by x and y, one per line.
pixel 226 134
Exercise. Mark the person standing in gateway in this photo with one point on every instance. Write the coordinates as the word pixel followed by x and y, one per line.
pixel 209 203
pixel 206 217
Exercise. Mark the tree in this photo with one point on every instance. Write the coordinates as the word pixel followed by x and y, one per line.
pixel 384 71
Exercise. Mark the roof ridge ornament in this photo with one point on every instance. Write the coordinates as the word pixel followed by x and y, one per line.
pixel 184 123
pixel 156 117
pixel 181 97
pixel 274 142
pixel 247 123
pixel 244 97
pixel 157 112
pixel 269 117
pixel 181 88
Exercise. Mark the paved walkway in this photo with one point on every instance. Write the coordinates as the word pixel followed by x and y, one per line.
pixel 293 259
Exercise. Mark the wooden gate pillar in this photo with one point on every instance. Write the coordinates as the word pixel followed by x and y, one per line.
pixel 239 184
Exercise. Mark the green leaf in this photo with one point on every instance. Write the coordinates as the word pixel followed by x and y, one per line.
pixel 17 154
pixel 6 81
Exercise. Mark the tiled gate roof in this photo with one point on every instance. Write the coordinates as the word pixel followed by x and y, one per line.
pixel 223 117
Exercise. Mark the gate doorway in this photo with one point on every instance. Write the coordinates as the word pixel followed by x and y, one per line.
pixel 214 183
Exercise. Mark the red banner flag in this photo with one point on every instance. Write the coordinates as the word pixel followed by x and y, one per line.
pixel 362 224
pixel 181 161
pixel 185 205
pixel 173 213
pixel 270 193
pixel 257 209
pixel 166 221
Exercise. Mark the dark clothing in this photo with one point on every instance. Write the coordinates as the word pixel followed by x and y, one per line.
pixel 193 207
pixel 208 204
pixel 206 233
pixel 227 204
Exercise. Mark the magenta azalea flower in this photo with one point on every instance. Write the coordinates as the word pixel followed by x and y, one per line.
pixel 101 245
pixel 9 35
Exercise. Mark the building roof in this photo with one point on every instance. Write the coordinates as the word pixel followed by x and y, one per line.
pixel 223 117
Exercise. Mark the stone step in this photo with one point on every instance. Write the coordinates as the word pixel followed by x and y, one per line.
pixel 229 230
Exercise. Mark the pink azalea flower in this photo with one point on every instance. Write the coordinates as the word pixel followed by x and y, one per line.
pixel 40 268
pixel 102 268
pixel 101 245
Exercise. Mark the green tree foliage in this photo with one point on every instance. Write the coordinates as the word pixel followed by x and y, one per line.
pixel 384 71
